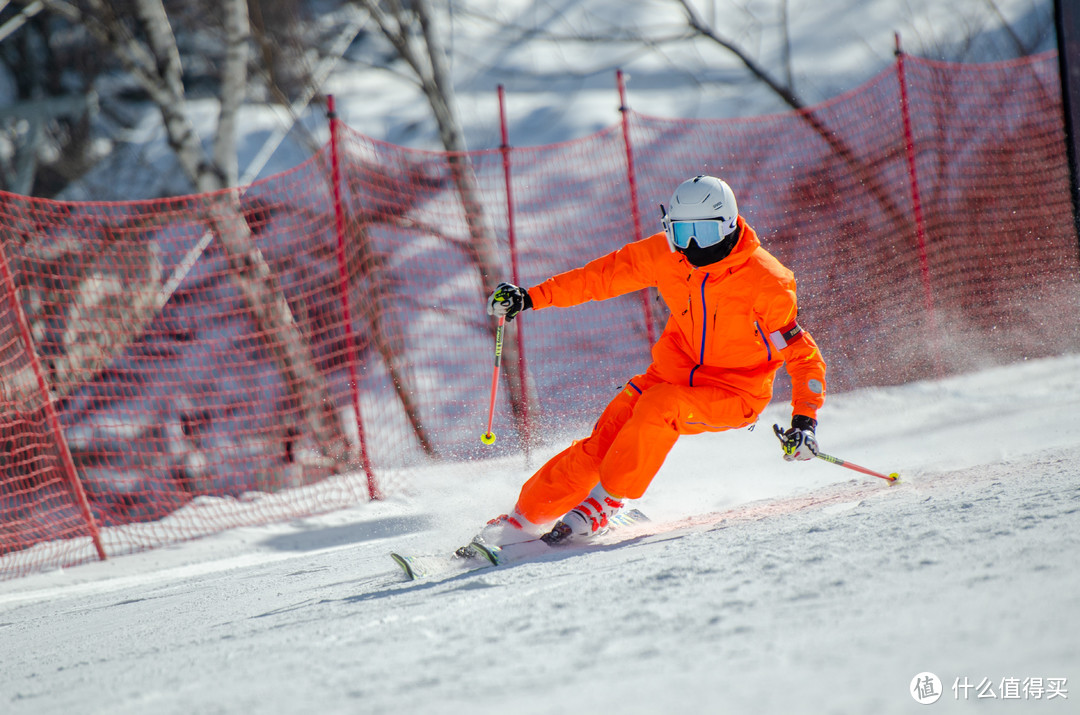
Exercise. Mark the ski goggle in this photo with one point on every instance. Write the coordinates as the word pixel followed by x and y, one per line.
pixel 705 233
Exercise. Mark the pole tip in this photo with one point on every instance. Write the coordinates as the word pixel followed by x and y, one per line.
pixel 488 438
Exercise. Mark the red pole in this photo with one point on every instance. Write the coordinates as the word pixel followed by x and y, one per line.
pixel 50 411
pixel 634 211
pixel 519 334
pixel 343 286
pixel 916 202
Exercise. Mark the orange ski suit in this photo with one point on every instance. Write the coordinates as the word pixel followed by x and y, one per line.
pixel 733 323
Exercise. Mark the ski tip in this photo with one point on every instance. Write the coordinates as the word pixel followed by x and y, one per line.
pixel 404 564
pixel 491 553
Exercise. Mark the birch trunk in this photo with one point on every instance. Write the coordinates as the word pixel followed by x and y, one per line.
pixel 156 65
pixel 275 322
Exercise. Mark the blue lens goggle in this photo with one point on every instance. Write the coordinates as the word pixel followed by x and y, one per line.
pixel 705 233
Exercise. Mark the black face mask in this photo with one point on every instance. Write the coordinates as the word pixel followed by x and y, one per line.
pixel 701 257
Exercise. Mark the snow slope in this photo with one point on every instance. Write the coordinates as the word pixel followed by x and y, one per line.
pixel 761 586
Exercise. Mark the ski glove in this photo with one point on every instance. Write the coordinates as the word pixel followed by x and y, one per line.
pixel 799 442
pixel 508 300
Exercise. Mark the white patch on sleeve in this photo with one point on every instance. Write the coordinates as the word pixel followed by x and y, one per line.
pixel 777 339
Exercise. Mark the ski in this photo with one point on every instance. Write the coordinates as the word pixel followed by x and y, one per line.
pixel 425 566
pixel 478 556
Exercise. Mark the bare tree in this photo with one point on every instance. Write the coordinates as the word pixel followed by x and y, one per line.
pixel 411 31
pixel 145 44
pixel 870 179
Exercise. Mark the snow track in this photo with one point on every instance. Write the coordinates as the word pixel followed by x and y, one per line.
pixel 828 601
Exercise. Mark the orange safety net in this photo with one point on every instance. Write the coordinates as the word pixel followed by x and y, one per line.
pixel 200 373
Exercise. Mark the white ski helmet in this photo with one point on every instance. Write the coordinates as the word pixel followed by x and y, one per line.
pixel 704 199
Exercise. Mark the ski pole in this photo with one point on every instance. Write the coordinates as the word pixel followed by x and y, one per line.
pixel 892 477
pixel 488 437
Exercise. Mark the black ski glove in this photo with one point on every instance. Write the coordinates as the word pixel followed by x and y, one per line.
pixel 799 442
pixel 508 300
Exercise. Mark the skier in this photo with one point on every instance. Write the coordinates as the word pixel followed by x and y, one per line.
pixel 733 322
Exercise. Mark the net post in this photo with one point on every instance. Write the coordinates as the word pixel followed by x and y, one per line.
pixel 526 426
pixel 343 287
pixel 916 203
pixel 70 472
pixel 1067 23
pixel 631 177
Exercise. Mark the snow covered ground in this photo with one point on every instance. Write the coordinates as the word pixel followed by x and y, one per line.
pixel 760 587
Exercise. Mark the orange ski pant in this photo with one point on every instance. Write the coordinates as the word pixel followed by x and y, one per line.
pixel 629 443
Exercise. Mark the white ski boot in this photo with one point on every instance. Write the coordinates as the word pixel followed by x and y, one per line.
pixel 587 519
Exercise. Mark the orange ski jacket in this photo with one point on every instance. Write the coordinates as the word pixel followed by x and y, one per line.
pixel 733 322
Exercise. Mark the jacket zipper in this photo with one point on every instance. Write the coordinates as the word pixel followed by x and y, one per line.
pixel 704 330
pixel 768 348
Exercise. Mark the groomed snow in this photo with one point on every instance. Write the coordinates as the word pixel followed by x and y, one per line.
pixel 760 587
